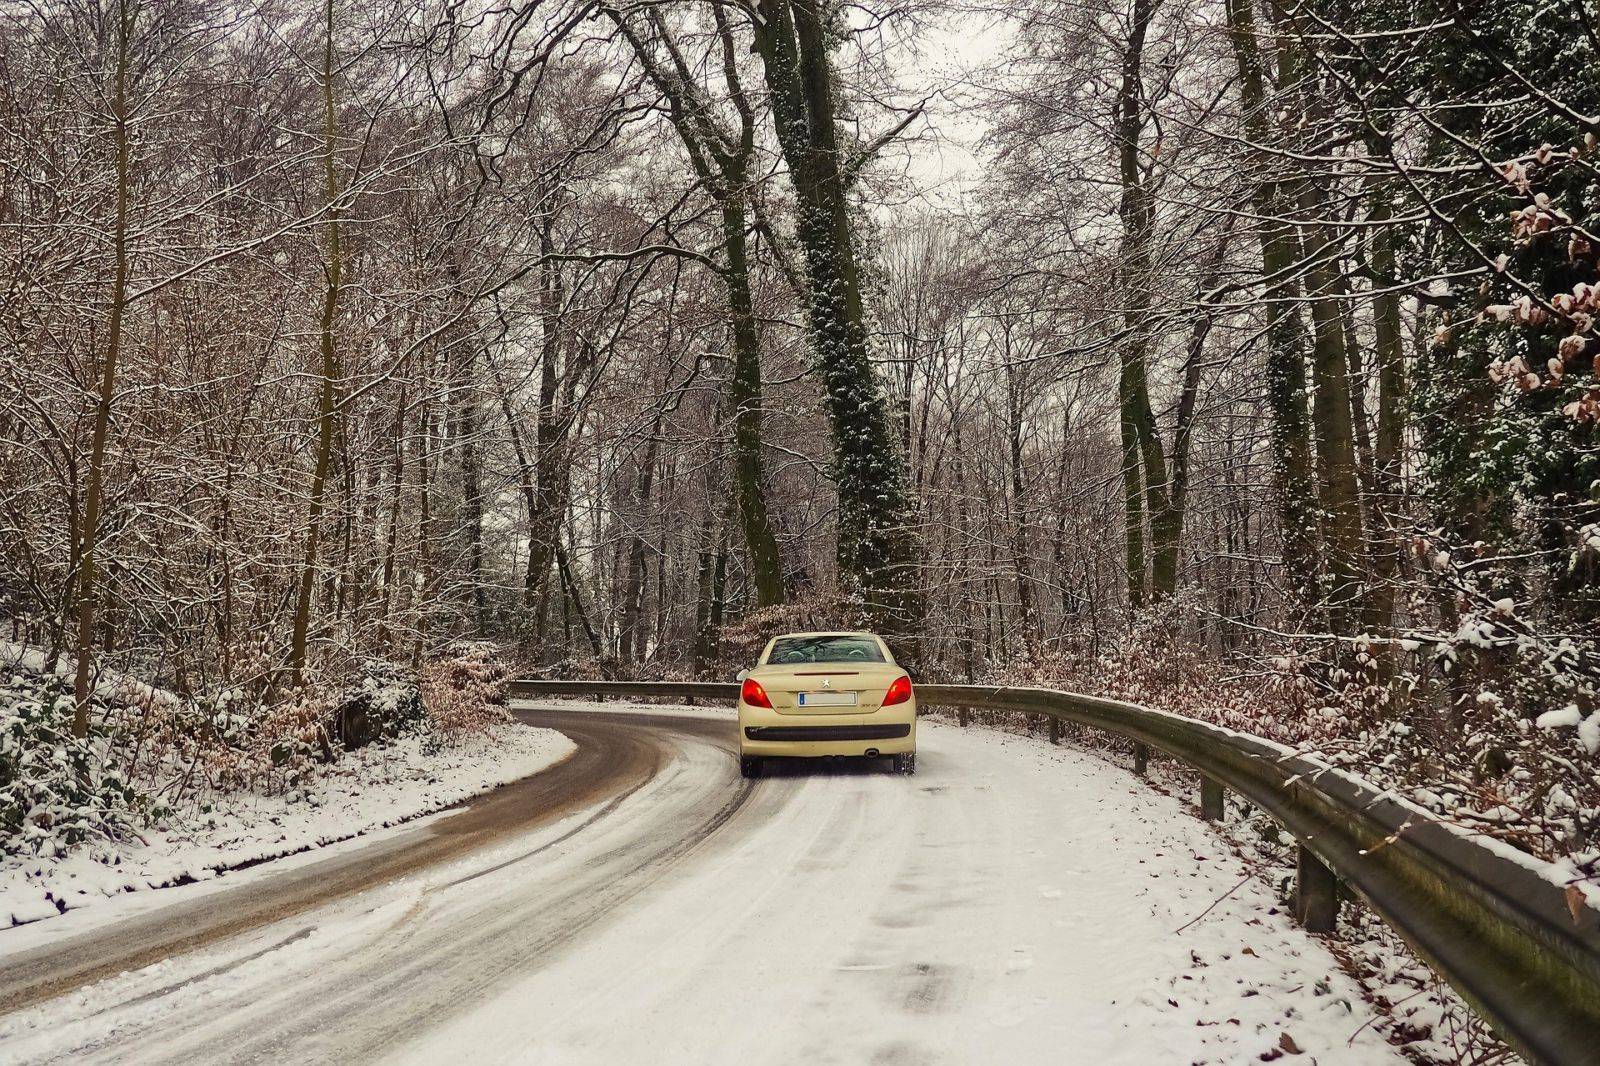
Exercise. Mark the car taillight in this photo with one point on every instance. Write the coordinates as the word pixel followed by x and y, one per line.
pixel 899 691
pixel 756 696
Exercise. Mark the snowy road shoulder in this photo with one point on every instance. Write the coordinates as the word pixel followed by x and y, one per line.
pixel 366 791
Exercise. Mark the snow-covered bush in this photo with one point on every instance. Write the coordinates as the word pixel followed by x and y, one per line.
pixel 1495 726
pixel 464 689
pixel 386 701
pixel 57 790
pixel 744 640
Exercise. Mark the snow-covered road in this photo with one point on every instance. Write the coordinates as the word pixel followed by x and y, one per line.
pixel 1010 903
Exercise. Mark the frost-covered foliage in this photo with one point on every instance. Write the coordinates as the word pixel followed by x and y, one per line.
pixel 1536 324
pixel 743 641
pixel 57 790
pixel 151 753
pixel 464 689
pixel 1492 726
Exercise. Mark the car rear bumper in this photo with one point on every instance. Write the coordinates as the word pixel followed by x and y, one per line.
pixel 891 731
pixel 827 732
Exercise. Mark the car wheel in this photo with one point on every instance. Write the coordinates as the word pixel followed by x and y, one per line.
pixel 906 763
pixel 750 766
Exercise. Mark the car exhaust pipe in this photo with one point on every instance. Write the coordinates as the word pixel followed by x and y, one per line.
pixel 872 753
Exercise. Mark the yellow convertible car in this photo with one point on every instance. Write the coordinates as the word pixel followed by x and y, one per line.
pixel 813 695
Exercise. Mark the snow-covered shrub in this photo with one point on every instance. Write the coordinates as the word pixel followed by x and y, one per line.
pixel 464 688
pixel 57 790
pixel 385 702
pixel 744 640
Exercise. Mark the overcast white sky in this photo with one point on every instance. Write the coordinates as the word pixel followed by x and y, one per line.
pixel 942 160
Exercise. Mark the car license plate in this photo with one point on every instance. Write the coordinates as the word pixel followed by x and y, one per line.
pixel 827 699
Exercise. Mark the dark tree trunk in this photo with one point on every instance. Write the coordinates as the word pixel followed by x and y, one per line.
pixel 877 546
pixel 722 161
pixel 1285 334
pixel 327 394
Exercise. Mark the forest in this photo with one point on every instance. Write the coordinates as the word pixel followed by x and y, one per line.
pixel 1233 357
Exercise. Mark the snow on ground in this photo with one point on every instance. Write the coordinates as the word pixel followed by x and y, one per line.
pixel 107 682
pixel 369 789
pixel 1010 903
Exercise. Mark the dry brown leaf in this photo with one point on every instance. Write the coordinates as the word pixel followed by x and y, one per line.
pixel 1576 903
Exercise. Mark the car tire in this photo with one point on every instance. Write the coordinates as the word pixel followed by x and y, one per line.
pixel 906 764
pixel 750 766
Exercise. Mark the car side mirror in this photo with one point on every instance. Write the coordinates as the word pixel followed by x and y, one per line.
pixel 741 675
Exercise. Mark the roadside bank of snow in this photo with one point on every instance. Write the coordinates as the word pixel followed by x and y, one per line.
pixel 1414 1008
pixel 370 789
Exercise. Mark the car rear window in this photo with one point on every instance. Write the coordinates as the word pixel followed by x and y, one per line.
pixel 825 650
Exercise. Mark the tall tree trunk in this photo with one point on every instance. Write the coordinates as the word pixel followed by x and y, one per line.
pixel 464 431
pixel 877 547
pixel 744 390
pixel 1132 499
pixel 1338 486
pixel 1019 504
pixel 88 593
pixel 575 597
pixel 1389 345
pixel 1189 391
pixel 705 637
pixel 1285 334
pixel 550 459
pixel 327 405
pixel 721 159
pixel 1141 439
pixel 392 535
pixel 427 570
pixel 632 642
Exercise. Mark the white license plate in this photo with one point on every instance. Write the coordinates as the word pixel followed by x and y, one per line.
pixel 827 699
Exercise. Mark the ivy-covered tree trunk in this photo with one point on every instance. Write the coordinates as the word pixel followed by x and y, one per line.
pixel 877 546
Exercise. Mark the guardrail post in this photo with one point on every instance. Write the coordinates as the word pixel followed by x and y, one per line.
pixel 1141 759
pixel 1210 799
pixel 1055 730
pixel 1316 893
pixel 961 716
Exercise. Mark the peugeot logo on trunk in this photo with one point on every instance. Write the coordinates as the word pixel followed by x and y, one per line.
pixel 827 682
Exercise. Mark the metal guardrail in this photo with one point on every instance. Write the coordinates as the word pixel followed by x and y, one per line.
pixel 1511 941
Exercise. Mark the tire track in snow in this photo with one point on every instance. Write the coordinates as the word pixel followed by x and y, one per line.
pixel 435 954
pixel 606 761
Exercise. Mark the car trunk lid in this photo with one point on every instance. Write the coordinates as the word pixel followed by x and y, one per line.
pixel 827 688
